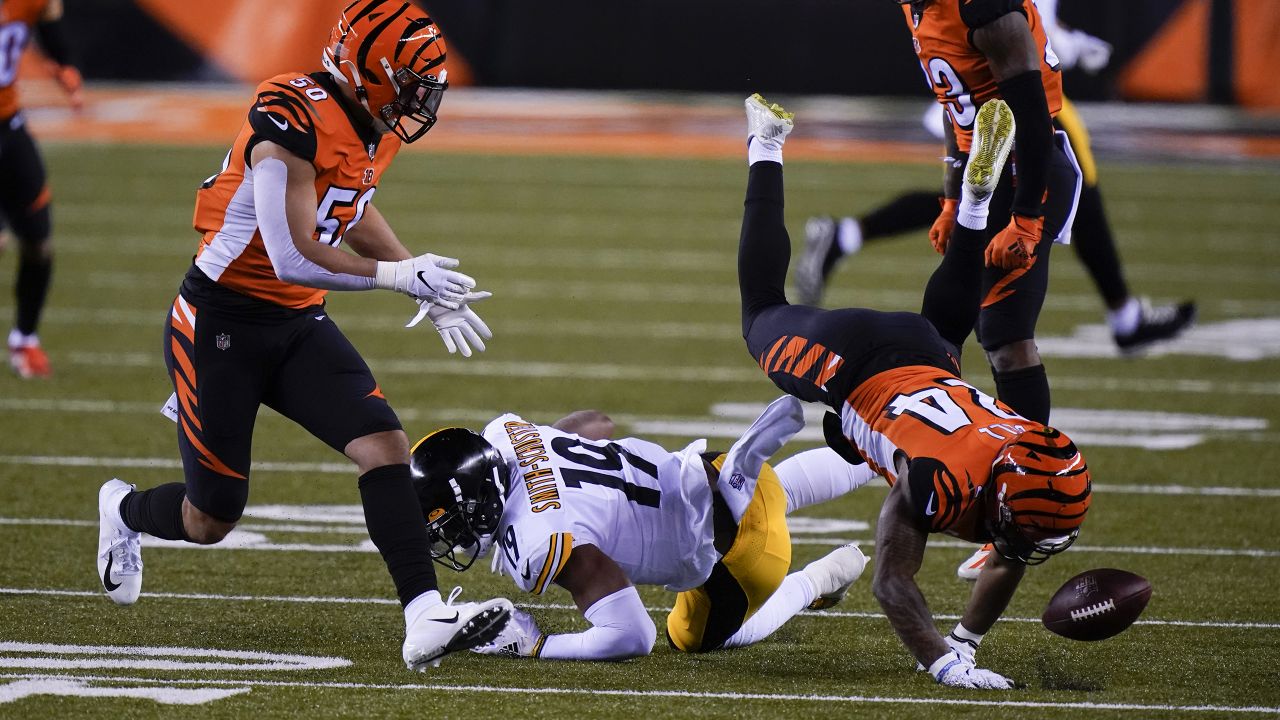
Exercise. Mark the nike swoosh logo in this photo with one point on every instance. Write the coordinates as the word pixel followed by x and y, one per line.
pixel 453 619
pixel 320 317
pixel 426 284
pixel 526 572
pixel 106 575
pixel 278 123
pixel 932 507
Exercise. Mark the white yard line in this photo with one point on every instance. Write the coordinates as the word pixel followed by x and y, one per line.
pixel 658 610
pixel 685 694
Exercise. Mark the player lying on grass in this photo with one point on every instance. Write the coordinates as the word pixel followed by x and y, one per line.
pixel 566 505
pixel 969 466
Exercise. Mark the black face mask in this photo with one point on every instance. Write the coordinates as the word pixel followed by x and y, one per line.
pixel 464 531
pixel 1012 542
pixel 414 112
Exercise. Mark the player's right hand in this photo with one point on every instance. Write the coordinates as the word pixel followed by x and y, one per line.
pixel 1013 246
pixel 428 277
pixel 953 671
pixel 940 233
pixel 520 638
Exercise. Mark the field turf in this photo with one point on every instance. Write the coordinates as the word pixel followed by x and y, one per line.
pixel 615 288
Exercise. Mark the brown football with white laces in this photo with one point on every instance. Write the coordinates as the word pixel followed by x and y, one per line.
pixel 1097 604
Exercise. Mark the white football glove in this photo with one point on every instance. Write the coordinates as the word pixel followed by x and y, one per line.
pixel 426 277
pixel 1094 52
pixel 966 650
pixel 953 671
pixel 460 328
pixel 520 638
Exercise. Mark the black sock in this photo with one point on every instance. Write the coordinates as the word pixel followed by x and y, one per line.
pixel 30 289
pixel 393 516
pixel 156 512
pixel 1096 248
pixel 1026 390
pixel 764 248
pixel 953 296
pixel 913 211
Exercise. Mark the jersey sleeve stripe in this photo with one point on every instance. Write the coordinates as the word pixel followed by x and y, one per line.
pixel 557 555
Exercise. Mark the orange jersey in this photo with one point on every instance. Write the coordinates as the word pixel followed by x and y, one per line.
pixel 957 71
pixel 950 430
pixel 17 18
pixel 304 115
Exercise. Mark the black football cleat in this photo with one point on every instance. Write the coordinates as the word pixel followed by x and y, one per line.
pixel 1160 322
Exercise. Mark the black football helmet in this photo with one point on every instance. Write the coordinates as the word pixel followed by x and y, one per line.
pixel 461 484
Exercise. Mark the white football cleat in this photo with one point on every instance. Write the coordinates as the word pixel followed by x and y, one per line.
pixel 833 574
pixel 970 569
pixel 119 548
pixel 767 123
pixel 993 133
pixel 448 628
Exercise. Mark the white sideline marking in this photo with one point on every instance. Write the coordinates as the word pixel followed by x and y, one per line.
pixel 782 697
pixel 254 537
pixel 609 371
pixel 37 685
pixel 660 610
pixel 37 655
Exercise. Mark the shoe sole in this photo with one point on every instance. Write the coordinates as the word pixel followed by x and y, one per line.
pixel 992 140
pixel 777 110
pixel 479 630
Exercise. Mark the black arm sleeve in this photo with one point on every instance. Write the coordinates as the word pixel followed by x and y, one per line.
pixel 53 40
pixel 976 13
pixel 1033 141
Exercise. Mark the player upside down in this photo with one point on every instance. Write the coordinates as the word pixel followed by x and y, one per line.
pixel 957 460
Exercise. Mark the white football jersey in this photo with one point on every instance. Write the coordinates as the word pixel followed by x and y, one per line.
pixel 648 509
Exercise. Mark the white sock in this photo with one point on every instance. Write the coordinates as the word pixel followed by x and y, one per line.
pixel 793 595
pixel 819 475
pixel 972 212
pixel 965 633
pixel 1122 321
pixel 418 606
pixel 759 149
pixel 18 340
pixel 849 235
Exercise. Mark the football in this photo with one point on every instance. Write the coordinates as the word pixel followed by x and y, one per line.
pixel 1097 604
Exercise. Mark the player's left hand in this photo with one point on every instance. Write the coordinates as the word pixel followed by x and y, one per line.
pixel 1013 246
pixel 520 638
pixel 461 328
pixel 1094 53
pixel 72 84
pixel 940 233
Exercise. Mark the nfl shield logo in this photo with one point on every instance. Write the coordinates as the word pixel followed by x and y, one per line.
pixel 223 341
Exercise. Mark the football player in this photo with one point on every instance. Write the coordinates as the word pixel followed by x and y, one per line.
pixel 250 327
pixel 1135 323
pixel 24 193
pixel 958 461
pixel 564 504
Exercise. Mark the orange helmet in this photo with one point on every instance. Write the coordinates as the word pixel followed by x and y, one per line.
pixel 1042 489
pixel 389 52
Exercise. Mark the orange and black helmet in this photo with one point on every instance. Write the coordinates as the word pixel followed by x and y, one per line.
pixel 392 55
pixel 1041 488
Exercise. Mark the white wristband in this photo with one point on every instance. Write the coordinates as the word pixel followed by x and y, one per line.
pixel 384 277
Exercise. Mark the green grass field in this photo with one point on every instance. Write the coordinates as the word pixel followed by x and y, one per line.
pixel 615 288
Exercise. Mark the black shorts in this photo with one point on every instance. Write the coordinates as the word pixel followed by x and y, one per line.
pixel 24 194
pixel 1012 299
pixel 227 354
pixel 790 343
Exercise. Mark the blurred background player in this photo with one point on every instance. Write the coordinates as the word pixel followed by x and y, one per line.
pixel 563 504
pixel 958 461
pixel 1134 322
pixel 24 194
pixel 250 327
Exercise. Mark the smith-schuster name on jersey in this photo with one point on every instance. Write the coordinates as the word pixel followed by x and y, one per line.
pixel 304 115
pixel 646 508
